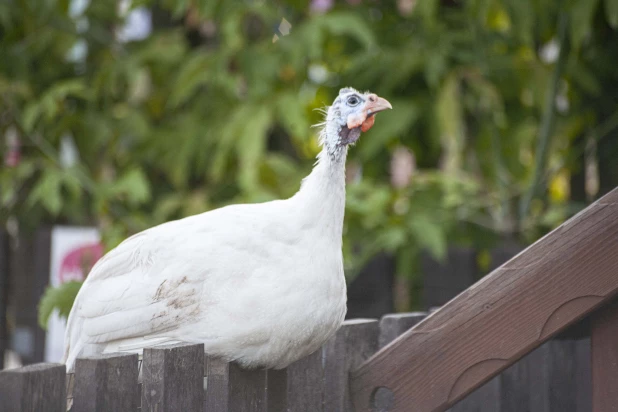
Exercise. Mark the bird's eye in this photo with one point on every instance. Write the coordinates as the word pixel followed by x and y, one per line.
pixel 353 100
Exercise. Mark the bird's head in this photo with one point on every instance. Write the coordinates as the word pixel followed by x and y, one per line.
pixel 351 113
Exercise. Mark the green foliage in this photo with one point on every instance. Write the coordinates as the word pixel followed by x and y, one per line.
pixel 60 298
pixel 215 107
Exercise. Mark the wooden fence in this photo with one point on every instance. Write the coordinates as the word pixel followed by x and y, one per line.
pixel 513 313
pixel 556 377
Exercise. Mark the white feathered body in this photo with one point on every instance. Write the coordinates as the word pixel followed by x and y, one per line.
pixel 261 284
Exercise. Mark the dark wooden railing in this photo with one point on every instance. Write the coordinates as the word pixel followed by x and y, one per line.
pixel 560 279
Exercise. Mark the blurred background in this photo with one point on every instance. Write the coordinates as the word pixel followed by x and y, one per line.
pixel 119 115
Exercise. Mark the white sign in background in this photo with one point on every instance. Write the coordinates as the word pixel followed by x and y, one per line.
pixel 74 250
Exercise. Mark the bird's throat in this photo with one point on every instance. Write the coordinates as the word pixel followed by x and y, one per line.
pixel 348 136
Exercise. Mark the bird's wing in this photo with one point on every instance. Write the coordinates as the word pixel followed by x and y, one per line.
pixel 162 279
pixel 140 288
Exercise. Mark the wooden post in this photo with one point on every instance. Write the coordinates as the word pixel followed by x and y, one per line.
pixel 34 388
pixel 4 293
pixel 173 378
pixel 394 324
pixel 299 387
pixel 355 341
pixel 231 388
pixel 29 276
pixel 604 350
pixel 106 383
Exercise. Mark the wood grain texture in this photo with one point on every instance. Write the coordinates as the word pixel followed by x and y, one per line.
pixel 247 389
pixel 106 383
pixel 355 341
pixel 173 378
pixel 604 351
pixel 553 283
pixel 34 388
pixel 217 385
pixel 299 387
pixel 232 388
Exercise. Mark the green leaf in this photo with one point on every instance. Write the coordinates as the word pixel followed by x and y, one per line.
pixel 58 298
pixel 134 185
pixel 193 74
pixel 251 146
pixel 427 10
pixel 429 234
pixel 581 16
pixel 229 135
pixel 289 109
pixel 392 238
pixel 347 23
pixel 450 123
pixel 49 105
pixel 611 13
pixel 47 192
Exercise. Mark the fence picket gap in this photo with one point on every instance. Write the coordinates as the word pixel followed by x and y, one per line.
pixel 173 378
pixel 354 342
pixel 34 388
pixel 106 383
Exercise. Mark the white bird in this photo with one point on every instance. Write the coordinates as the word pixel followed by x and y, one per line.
pixel 260 284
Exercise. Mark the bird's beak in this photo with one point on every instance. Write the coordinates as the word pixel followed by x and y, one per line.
pixel 366 117
pixel 376 104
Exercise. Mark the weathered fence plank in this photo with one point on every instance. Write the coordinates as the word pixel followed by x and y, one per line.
pixel 604 350
pixel 487 398
pixel 217 385
pixel 583 375
pixel 443 280
pixel 29 268
pixel 562 383
pixel 4 293
pixel 173 378
pixel 34 388
pixel 352 344
pixel 247 389
pixel 561 278
pixel 394 324
pixel 231 388
pixel 524 384
pixel 299 387
pixel 106 383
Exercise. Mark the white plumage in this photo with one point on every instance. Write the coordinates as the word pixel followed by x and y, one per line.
pixel 261 284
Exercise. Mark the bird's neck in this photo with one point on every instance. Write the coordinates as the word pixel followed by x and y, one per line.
pixel 322 193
